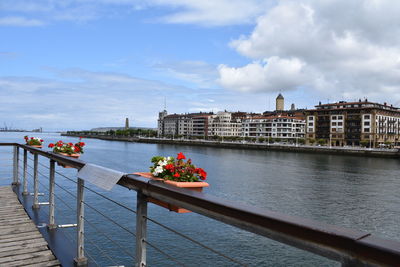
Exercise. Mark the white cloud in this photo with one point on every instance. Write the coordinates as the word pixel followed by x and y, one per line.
pixel 340 47
pixel 20 21
pixel 197 73
pixel 213 13
pixel 272 75
pixel 82 99
pixel 205 13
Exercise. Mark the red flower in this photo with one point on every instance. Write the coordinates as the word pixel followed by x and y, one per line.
pixel 82 144
pixel 70 144
pixel 202 173
pixel 177 175
pixel 51 145
pixel 180 156
pixel 31 138
pixel 77 149
pixel 170 167
pixel 59 144
pixel 41 140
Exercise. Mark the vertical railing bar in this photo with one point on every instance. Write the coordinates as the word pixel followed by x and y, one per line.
pixel 141 229
pixel 35 182
pixel 15 166
pixel 52 223
pixel 25 170
pixel 80 259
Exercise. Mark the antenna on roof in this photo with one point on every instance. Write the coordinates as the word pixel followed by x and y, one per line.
pixel 165 103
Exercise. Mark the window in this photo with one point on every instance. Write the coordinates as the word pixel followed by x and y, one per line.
pixel 333 123
pixel 367 117
pixel 366 123
pixel 366 130
pixel 340 117
pixel 340 123
pixel 311 118
pixel 333 117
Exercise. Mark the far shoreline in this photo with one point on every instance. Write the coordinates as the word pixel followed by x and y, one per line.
pixel 354 151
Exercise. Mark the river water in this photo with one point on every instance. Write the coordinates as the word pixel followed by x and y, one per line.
pixel 355 192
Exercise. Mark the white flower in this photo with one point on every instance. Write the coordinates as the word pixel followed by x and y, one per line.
pixel 162 163
pixel 159 169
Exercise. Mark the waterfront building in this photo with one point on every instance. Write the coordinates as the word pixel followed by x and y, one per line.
pixel 353 123
pixel 275 126
pixel 200 125
pixel 226 124
pixel 190 124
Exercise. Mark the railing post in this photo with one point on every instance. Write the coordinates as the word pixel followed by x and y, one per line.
pixel 25 182
pixel 141 229
pixel 35 183
pixel 80 259
pixel 52 224
pixel 15 165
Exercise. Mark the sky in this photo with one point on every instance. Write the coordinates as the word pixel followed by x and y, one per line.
pixel 74 65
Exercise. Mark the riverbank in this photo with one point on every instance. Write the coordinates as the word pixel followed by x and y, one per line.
pixel 356 151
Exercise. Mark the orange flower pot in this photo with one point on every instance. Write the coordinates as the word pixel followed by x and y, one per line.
pixel 195 186
pixel 75 155
pixel 37 146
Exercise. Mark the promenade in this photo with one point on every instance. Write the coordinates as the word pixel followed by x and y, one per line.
pixel 355 151
pixel 21 244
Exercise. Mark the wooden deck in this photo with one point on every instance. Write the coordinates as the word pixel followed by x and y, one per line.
pixel 21 244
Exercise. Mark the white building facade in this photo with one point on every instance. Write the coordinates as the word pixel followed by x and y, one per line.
pixel 282 127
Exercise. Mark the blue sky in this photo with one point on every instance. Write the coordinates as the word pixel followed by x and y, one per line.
pixel 85 64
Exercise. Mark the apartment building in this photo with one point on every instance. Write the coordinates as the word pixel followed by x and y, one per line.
pixel 276 126
pixel 225 124
pixel 350 123
pixel 190 124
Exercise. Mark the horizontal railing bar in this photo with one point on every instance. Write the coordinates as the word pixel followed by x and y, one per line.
pixel 75 163
pixel 329 241
pixel 9 144
pixel 67 225
pixel 341 244
pixel 39 194
pixel 196 242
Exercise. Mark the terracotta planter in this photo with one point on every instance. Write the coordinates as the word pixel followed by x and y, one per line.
pixel 195 186
pixel 75 155
pixel 37 146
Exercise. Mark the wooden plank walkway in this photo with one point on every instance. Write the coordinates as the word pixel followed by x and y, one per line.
pixel 21 243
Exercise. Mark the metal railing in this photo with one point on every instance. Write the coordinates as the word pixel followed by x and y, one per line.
pixel 347 246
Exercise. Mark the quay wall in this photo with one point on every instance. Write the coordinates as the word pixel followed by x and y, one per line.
pixel 388 153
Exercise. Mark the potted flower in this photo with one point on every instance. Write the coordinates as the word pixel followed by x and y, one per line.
pixel 34 141
pixel 176 172
pixel 68 149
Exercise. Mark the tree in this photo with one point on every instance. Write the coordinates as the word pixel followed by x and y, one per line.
pixel 364 143
pixel 321 142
